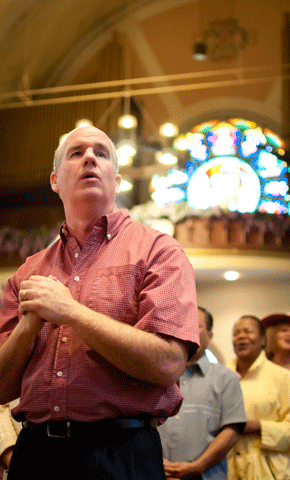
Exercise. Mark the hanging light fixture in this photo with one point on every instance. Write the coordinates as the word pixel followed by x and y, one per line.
pixel 168 130
pixel 167 156
pixel 181 143
pixel 126 150
pixel 126 146
pixel 62 138
pixel 127 121
pixel 83 123
pixel 199 51
pixel 126 185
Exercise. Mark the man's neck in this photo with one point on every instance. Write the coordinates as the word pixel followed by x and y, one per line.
pixel 81 223
pixel 243 365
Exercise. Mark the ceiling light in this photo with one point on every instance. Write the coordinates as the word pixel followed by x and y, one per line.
pixel 181 143
pixel 125 160
pixel 168 130
pixel 126 148
pixel 125 185
pixel 231 275
pixel 127 121
pixel 167 156
pixel 83 123
pixel 199 51
pixel 62 138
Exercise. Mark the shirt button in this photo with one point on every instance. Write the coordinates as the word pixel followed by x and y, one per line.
pixel 109 236
pixel 59 374
pixel 76 255
pixel 77 279
pixel 56 408
pixel 64 339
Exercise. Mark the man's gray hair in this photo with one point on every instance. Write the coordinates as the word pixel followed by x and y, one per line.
pixel 59 152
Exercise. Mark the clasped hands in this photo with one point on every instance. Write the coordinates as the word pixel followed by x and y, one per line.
pixel 181 470
pixel 45 296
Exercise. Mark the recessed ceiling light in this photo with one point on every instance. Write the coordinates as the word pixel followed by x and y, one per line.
pixel 231 275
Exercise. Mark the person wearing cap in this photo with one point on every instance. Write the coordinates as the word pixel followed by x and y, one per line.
pixel 277 327
pixel 263 449
pixel 95 331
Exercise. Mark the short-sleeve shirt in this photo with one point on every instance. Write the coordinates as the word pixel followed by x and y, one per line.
pixel 129 272
pixel 212 399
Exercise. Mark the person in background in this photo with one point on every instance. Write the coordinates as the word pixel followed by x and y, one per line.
pixel 9 430
pixel 96 331
pixel 263 450
pixel 277 328
pixel 195 442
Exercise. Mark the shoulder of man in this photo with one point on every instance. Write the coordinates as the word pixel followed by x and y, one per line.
pixel 224 374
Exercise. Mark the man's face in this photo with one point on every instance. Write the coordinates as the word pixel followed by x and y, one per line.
pixel 204 336
pixel 247 340
pixel 86 172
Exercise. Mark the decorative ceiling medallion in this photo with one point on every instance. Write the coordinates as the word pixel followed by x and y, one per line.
pixel 224 39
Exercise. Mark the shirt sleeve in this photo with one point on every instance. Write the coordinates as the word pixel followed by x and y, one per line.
pixel 167 300
pixel 233 410
pixel 275 435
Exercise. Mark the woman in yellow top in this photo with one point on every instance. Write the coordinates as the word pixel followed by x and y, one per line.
pixel 263 450
pixel 277 328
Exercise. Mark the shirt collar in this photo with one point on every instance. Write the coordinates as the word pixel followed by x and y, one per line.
pixel 258 362
pixel 255 365
pixel 203 365
pixel 108 225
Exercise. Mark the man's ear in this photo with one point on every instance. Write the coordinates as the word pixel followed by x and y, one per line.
pixel 118 179
pixel 53 182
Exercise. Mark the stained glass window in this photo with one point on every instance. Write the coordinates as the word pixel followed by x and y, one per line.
pixel 236 165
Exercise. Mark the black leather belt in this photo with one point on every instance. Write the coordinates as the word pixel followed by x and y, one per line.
pixel 63 429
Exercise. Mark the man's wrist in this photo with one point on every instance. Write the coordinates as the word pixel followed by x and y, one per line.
pixel 30 325
pixel 200 466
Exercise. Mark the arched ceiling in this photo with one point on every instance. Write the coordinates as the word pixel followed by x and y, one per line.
pixel 48 43
pixel 41 39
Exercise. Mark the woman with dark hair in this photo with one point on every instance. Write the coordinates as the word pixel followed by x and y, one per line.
pixel 277 328
pixel 263 450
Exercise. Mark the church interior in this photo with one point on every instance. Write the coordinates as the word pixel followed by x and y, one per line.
pixel 195 95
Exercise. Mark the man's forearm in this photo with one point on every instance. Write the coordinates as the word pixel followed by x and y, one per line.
pixel 253 427
pixel 14 355
pixel 217 449
pixel 138 353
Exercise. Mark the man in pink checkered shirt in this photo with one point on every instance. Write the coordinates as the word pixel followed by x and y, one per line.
pixel 96 331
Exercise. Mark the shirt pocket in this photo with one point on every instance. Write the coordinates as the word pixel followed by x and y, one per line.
pixel 114 291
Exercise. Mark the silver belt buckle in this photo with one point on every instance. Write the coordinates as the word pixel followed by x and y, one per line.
pixel 58 436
